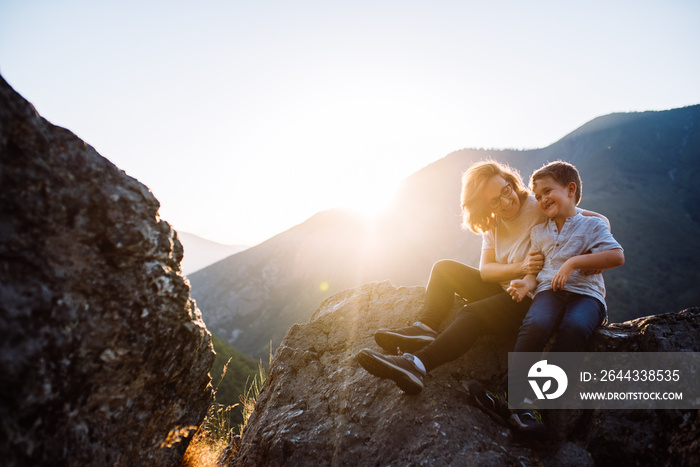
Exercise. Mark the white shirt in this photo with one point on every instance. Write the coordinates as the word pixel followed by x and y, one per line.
pixel 579 234
pixel 510 238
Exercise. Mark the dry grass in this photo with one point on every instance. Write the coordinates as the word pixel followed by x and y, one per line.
pixel 216 432
pixel 250 397
pixel 203 452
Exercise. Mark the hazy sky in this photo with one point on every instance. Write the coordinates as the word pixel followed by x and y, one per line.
pixel 247 117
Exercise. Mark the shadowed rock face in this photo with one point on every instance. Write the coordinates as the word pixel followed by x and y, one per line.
pixel 319 407
pixel 103 352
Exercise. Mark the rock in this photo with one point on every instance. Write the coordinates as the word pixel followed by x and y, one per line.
pixel 667 332
pixel 104 355
pixel 319 407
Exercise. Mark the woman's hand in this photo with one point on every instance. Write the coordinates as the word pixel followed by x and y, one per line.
pixel 533 262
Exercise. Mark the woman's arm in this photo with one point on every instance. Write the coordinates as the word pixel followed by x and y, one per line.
pixel 595 214
pixel 491 271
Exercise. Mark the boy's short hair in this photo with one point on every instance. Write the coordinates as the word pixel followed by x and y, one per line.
pixel 561 172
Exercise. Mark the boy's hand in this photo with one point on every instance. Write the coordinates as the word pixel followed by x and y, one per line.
pixel 562 275
pixel 533 262
pixel 518 289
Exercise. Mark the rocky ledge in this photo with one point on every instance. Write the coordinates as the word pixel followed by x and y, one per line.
pixel 319 407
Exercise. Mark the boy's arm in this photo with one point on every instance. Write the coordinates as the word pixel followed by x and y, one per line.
pixel 519 288
pixel 601 260
pixel 591 272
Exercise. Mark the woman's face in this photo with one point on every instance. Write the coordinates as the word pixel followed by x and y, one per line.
pixel 499 198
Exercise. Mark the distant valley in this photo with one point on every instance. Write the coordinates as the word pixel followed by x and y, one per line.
pixel 200 252
pixel 638 169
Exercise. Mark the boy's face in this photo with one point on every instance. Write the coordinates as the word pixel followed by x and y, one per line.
pixel 554 199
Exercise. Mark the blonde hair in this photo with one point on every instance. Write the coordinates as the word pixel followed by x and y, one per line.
pixel 474 217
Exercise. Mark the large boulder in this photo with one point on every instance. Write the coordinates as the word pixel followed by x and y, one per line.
pixel 104 357
pixel 319 407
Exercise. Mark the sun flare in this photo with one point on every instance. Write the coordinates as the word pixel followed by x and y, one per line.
pixel 371 199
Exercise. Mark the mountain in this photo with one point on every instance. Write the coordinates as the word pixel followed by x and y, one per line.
pixel 200 252
pixel 638 169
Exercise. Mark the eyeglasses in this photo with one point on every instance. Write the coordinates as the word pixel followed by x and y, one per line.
pixel 505 193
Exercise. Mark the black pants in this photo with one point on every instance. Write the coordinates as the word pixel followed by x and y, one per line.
pixel 489 310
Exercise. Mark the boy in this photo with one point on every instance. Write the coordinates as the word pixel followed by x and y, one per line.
pixel 570 243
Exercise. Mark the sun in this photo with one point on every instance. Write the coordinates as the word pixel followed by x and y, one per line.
pixel 371 199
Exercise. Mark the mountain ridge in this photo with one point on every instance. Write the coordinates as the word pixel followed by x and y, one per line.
pixel 201 252
pixel 251 298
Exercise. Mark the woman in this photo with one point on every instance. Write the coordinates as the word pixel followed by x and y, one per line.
pixel 497 205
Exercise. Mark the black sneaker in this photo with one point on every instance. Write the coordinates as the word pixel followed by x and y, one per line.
pixel 493 404
pixel 528 421
pixel 408 339
pixel 400 369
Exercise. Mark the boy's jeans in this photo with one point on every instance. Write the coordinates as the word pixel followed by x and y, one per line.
pixel 573 316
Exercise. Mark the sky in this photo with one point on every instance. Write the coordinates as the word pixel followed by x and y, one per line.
pixel 247 117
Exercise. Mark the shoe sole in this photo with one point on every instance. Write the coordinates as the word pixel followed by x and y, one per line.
pixel 405 380
pixel 473 389
pixel 389 341
pixel 532 430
